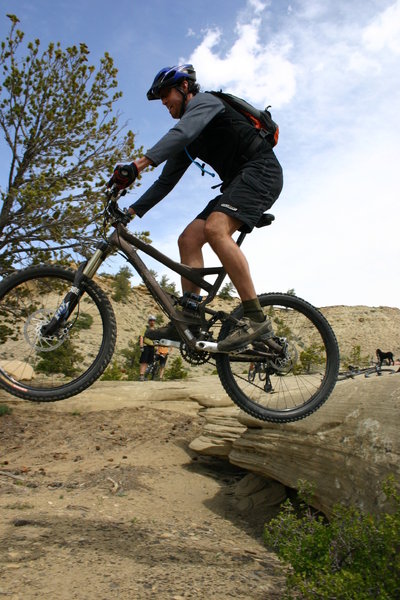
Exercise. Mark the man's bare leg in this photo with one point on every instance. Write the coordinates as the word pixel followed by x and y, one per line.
pixel 219 228
pixel 190 244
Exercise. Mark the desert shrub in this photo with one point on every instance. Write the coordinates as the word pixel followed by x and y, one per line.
pixel 113 372
pixel 353 556
pixel 167 285
pixel 355 358
pixel 5 410
pixel 85 321
pixel 121 285
pixel 131 357
pixel 176 369
pixel 61 360
pixel 227 291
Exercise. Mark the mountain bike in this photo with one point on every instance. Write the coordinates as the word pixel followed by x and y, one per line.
pixel 375 369
pixel 153 369
pixel 58 330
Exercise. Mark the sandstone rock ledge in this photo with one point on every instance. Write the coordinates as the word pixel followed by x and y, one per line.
pixel 346 449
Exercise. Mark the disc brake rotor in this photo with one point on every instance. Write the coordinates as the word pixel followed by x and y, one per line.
pixel 33 336
pixel 284 363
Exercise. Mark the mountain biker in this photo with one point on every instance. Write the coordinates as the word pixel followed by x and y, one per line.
pixel 251 176
pixel 146 347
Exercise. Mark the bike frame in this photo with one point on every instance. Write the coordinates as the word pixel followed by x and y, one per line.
pixel 129 244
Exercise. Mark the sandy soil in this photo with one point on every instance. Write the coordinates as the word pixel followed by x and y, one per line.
pixel 101 498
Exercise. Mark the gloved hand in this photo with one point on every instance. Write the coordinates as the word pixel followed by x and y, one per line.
pixel 123 176
pixel 127 218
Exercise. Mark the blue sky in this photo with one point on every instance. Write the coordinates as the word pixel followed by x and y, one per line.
pixel 330 70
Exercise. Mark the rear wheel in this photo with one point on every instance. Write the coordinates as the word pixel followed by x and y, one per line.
pixel 300 376
pixel 46 368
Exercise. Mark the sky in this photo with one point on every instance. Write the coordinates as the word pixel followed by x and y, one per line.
pixel 329 70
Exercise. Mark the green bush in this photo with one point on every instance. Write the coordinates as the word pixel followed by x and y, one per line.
pixel 131 357
pixel 227 291
pixel 62 360
pixel 5 410
pixel 112 373
pixel 121 285
pixel 176 369
pixel 85 321
pixel 353 556
pixel 355 358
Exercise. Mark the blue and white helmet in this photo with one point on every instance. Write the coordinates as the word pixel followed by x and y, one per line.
pixel 170 77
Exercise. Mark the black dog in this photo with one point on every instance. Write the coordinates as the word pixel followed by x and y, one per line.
pixel 381 356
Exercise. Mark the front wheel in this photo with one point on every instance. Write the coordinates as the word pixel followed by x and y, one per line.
pixel 37 367
pixel 301 369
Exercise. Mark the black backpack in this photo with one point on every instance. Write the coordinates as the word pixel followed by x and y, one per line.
pixel 260 119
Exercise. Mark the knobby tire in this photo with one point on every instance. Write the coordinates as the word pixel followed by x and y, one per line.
pixel 33 370
pixel 304 382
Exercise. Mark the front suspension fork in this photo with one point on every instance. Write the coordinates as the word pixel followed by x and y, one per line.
pixel 86 270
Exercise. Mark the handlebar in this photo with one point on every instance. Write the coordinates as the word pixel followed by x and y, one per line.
pixel 112 213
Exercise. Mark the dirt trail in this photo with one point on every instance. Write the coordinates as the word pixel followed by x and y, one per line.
pixel 101 503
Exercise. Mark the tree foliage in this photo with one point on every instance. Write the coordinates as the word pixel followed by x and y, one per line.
pixel 227 291
pixel 121 285
pixel 167 285
pixel 57 120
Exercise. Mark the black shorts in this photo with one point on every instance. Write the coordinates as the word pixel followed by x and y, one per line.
pixel 147 356
pixel 252 192
pixel 162 359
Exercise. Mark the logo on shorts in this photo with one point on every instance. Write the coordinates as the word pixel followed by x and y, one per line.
pixel 229 206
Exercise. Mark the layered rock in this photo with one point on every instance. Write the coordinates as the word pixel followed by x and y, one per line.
pixel 345 450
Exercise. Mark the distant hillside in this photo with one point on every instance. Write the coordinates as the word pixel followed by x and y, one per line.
pixel 368 327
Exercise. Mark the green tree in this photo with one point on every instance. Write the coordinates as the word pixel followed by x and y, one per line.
pixel 113 372
pixel 121 285
pixel 176 369
pixel 57 120
pixel 131 356
pixel 62 360
pixel 355 357
pixel 227 291
pixel 311 357
pixel 167 285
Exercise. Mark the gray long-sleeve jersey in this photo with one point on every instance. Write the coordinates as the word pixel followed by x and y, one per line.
pixel 199 112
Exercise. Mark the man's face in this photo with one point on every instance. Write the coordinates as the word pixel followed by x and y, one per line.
pixel 172 99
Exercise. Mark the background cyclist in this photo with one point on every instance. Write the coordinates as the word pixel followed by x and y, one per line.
pixel 146 347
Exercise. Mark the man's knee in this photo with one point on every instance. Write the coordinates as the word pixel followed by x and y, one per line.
pixel 211 231
pixel 185 240
pixel 218 227
pixel 192 236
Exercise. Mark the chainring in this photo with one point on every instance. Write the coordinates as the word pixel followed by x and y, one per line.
pixel 193 357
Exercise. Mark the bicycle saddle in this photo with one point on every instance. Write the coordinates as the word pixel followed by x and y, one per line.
pixel 265 219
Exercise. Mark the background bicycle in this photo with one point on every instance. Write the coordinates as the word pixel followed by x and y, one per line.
pixel 375 369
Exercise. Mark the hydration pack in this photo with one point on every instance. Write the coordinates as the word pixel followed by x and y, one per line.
pixel 260 119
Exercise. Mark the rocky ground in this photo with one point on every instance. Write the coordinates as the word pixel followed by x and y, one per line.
pixel 101 498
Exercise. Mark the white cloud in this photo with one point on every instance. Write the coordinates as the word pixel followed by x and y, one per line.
pixel 384 31
pixel 259 71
